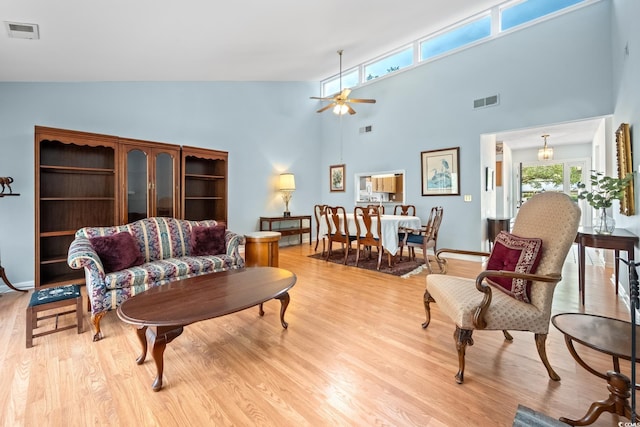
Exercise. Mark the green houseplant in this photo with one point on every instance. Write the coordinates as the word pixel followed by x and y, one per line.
pixel 604 190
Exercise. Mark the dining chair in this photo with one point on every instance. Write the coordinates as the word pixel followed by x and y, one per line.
pixel 367 222
pixel 338 230
pixel 404 210
pixel 319 213
pixel 426 238
pixel 516 289
pixel 378 207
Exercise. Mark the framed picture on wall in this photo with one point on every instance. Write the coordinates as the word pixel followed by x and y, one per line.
pixel 440 171
pixel 336 177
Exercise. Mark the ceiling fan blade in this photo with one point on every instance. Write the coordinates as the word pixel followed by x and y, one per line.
pixel 344 94
pixel 326 107
pixel 322 99
pixel 351 110
pixel 361 101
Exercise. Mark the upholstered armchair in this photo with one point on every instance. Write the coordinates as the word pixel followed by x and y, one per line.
pixel 543 232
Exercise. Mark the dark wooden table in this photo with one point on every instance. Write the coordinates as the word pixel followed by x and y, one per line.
pixel 495 226
pixel 608 336
pixel 619 240
pixel 287 225
pixel 161 313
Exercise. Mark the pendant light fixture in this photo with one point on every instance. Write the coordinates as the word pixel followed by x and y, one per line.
pixel 545 153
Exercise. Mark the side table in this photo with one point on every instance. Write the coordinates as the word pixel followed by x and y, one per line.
pixel 620 239
pixel 495 226
pixel 3 276
pixel 608 336
pixel 261 249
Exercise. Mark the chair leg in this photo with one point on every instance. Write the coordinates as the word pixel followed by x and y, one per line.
pixel 346 252
pixel 542 351
pixel 357 254
pixel 380 258
pixel 507 335
pixel 426 259
pixel 95 321
pixel 427 299
pixel 463 339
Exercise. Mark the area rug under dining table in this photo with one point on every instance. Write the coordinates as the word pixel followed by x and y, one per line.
pixel 404 267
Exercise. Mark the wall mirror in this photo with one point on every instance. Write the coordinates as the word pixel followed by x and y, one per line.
pixel 625 166
pixel 376 187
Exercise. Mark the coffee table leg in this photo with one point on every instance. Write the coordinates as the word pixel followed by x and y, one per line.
pixel 159 340
pixel 142 336
pixel 284 303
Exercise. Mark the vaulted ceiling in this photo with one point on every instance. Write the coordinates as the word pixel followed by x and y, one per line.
pixel 209 40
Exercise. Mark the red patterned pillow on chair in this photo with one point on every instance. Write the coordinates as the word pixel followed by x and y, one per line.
pixel 513 253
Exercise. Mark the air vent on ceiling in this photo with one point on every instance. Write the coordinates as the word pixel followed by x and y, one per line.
pixel 486 102
pixel 19 30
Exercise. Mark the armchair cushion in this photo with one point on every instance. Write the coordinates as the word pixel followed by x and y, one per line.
pixel 513 253
pixel 208 240
pixel 117 251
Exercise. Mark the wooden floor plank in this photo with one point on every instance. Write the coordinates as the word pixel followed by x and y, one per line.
pixel 354 354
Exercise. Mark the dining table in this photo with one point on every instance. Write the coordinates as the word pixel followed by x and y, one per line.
pixel 390 227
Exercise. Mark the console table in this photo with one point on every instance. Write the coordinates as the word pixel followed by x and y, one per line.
pixel 287 225
pixel 619 240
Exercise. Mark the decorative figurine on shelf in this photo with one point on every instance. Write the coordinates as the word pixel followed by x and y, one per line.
pixel 6 181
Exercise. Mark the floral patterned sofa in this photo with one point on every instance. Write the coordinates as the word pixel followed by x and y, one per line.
pixel 160 249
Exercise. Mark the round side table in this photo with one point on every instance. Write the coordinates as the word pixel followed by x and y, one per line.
pixel 261 249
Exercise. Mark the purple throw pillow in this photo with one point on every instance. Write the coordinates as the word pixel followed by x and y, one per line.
pixel 208 240
pixel 117 251
pixel 513 253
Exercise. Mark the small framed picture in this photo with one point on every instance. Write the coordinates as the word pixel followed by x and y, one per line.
pixel 440 172
pixel 336 177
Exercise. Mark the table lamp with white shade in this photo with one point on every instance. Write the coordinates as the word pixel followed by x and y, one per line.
pixel 287 187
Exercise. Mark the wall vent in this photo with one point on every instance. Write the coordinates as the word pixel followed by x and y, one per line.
pixel 18 30
pixel 366 129
pixel 486 102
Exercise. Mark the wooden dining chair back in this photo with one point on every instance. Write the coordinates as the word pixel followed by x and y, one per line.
pixel 319 212
pixel 378 207
pixel 426 238
pixel 368 231
pixel 515 292
pixel 338 230
pixel 404 210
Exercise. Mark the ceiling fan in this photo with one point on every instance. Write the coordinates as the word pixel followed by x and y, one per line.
pixel 340 101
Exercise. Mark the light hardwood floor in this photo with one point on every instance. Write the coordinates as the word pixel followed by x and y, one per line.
pixel 354 355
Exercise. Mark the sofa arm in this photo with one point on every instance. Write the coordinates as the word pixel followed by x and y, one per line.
pixel 233 242
pixel 82 255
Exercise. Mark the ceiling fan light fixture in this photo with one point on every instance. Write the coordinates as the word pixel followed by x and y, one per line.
pixel 340 101
pixel 340 109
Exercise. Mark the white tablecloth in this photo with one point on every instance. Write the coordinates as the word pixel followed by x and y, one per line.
pixel 389 228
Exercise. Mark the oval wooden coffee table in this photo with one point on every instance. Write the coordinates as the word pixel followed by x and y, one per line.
pixel 161 313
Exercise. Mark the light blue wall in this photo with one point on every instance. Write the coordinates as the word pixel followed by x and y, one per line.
pixel 267 128
pixel 557 71
pixel 626 86
pixel 553 72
